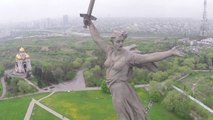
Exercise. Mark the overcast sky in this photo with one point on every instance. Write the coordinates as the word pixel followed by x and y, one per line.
pixel 25 10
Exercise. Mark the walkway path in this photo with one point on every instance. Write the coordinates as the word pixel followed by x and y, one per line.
pixel 32 104
pixel 46 96
pixel 30 83
pixel 50 110
pixel 29 110
pixel 185 76
pixel 36 93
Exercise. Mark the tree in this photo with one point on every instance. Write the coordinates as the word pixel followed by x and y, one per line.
pixel 155 91
pixel 77 63
pixel 104 87
pixel 50 78
pixel 23 87
pixel 88 62
pixel 209 101
pixel 70 75
pixel 39 83
pixel 210 58
pixel 167 85
pixel 184 69
pixel 177 103
pixel 140 76
pixel 96 71
pixel 93 76
pixel 190 62
pixel 13 85
pixel 66 67
pixel 58 73
pixel 88 75
pixel 160 76
pixel 201 66
pixel 1 70
pixel 37 72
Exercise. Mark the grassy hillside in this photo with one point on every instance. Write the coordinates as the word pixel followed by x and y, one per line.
pixel 15 109
pixel 94 105
pixel 38 114
pixel 84 105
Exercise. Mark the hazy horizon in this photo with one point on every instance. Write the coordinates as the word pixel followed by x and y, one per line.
pixel 28 10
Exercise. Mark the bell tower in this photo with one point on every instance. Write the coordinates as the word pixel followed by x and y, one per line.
pixel 204 22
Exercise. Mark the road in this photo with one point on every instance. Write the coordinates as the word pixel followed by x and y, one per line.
pixel 77 84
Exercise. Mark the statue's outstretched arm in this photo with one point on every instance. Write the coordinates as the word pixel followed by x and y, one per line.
pixel 97 38
pixel 157 56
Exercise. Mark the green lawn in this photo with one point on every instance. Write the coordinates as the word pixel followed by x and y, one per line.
pixel 157 112
pixel 39 114
pixel 94 105
pixel 84 105
pixel 15 109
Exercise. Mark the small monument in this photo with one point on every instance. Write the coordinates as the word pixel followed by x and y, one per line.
pixel 22 64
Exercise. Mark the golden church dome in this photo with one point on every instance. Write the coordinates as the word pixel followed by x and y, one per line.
pixel 21 49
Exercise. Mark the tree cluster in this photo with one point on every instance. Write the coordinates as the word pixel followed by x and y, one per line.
pixel 16 86
pixel 54 73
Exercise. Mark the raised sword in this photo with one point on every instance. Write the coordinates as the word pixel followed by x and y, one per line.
pixel 89 16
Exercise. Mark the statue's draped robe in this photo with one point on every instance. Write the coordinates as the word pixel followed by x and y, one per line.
pixel 119 71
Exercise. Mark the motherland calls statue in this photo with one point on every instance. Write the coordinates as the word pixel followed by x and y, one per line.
pixel 119 66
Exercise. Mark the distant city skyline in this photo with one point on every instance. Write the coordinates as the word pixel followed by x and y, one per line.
pixel 27 10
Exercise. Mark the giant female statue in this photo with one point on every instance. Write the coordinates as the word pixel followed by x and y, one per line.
pixel 119 63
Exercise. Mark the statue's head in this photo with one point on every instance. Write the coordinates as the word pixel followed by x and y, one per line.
pixel 117 39
pixel 21 50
